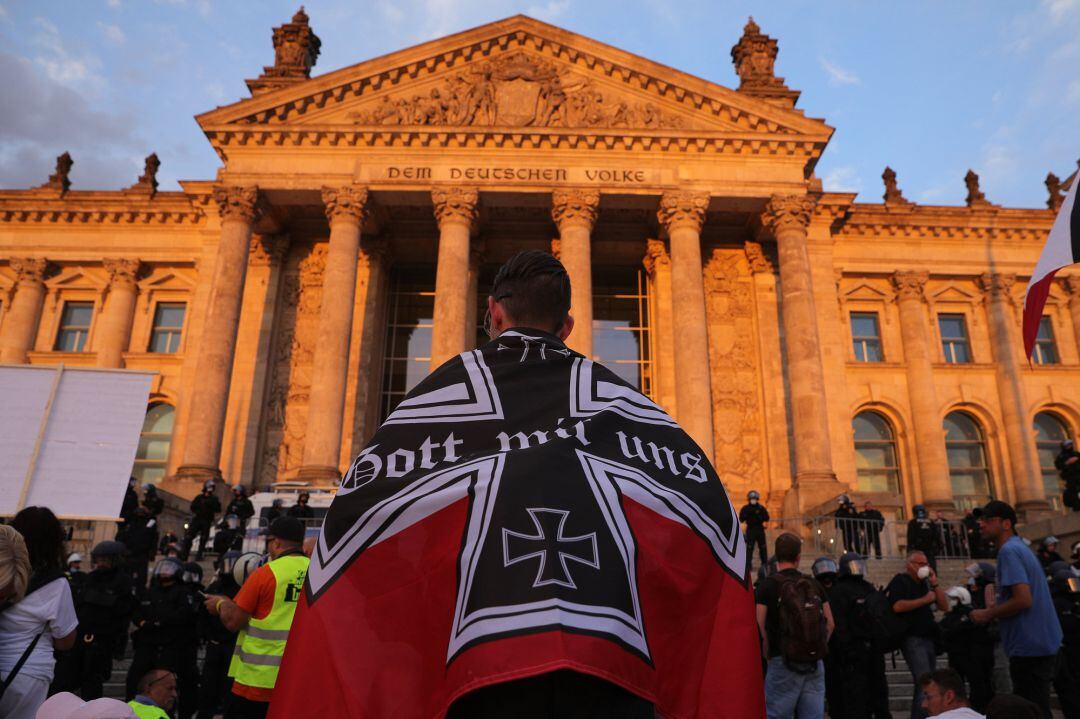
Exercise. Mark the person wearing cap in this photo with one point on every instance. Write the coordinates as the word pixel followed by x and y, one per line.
pixel 754 517
pixel 262 612
pixel 1068 465
pixel 157 694
pixel 1030 631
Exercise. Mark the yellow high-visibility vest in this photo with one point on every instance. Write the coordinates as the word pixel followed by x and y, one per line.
pixel 145 711
pixel 259 647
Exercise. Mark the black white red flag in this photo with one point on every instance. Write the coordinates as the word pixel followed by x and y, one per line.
pixel 1062 248
pixel 523 510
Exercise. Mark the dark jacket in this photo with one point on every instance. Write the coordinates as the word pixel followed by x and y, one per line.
pixel 1069 472
pixel 301 511
pixel 851 640
pixel 166 616
pixel 755 516
pixel 922 534
pixel 154 504
pixel 204 507
pixel 104 603
pixel 242 508
pixel 210 627
pixel 142 538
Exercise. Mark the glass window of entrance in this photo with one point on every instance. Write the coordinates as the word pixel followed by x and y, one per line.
pixel 74 326
pixel 1044 351
pixel 621 325
pixel 969 472
pixel 1050 432
pixel 168 327
pixel 152 456
pixel 407 354
pixel 866 337
pixel 875 454
pixel 954 339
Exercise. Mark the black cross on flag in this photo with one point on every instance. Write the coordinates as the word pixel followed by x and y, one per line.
pixel 511 504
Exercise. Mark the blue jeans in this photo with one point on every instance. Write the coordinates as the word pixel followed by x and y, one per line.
pixel 788 692
pixel 920 657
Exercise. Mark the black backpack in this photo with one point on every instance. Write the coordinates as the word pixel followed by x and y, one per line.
pixel 803 629
pixel 874 621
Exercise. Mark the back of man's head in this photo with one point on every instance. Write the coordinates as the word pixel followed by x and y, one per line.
pixel 788 548
pixel 534 289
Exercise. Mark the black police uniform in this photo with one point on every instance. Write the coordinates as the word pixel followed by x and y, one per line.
pixel 219 642
pixel 922 534
pixel 203 509
pixel 242 508
pixel 301 511
pixel 973 536
pixel 1070 473
pixel 970 650
pixel 847 522
pixel 755 516
pixel 103 605
pixel 141 542
pixel 166 638
pixel 873 522
pixel 858 666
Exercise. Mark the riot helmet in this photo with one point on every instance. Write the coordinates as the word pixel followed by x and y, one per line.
pixel 208 485
pixel 1049 542
pixel 239 490
pixel 984 572
pixel 278 503
pixel 169 569
pixel 753 495
pixel 919 511
pixel 245 565
pixel 74 558
pixel 226 562
pixel 193 573
pixel 958 596
pixel 852 564
pixel 824 568
pixel 1066 444
pixel 149 490
pixel 843 499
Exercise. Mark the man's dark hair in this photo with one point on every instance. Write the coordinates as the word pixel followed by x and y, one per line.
pixel 147 680
pixel 788 547
pixel 534 289
pixel 947 680
pixel 44 537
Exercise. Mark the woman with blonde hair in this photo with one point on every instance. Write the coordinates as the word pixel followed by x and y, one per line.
pixel 14 566
pixel 41 620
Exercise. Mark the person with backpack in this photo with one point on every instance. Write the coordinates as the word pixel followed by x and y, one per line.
pixel 795 622
pixel 912 594
pixel 856 647
pixel 969 647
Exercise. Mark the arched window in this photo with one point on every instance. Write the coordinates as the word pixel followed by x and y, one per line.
pixel 876 466
pixel 968 466
pixel 1050 431
pixel 153 453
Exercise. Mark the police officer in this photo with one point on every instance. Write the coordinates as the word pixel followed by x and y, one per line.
pixel 154 504
pixel 263 625
pixel 872 523
pixel 127 509
pixel 203 510
pixel 301 510
pixel 969 646
pixel 103 605
pixel 218 641
pixel 847 523
pixel 858 665
pixel 824 570
pixel 1047 552
pixel 141 541
pixel 1068 465
pixel 754 516
pixel 1065 590
pixel 922 534
pixel 165 624
pixel 240 506
pixel 230 537
pixel 277 509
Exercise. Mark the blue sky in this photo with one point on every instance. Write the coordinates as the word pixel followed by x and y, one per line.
pixel 930 88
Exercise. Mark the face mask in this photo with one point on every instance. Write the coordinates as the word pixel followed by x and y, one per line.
pixel 753 501
pixel 923 572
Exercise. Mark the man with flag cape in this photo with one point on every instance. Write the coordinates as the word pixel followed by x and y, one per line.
pixel 526 535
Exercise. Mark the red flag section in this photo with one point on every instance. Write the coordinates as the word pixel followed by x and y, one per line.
pixel 1062 248
pixel 375 643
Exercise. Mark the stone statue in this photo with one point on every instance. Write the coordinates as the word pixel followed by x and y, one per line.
pixel 60 180
pixel 296 47
pixel 892 192
pixel 148 180
pixel 975 197
pixel 1053 187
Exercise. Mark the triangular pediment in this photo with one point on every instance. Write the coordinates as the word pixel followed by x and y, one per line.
pixel 516 75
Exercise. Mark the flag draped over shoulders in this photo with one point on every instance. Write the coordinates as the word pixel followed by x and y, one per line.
pixel 524 510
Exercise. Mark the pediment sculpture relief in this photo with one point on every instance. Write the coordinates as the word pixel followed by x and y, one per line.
pixel 516 91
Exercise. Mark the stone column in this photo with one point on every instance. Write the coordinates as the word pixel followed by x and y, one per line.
pixel 455 211
pixel 574 212
pixel 1005 340
pixel 682 214
pixel 114 326
pixel 657 264
pixel 788 216
pixel 926 420
pixel 472 304
pixel 345 208
pixel 239 209
pixel 22 318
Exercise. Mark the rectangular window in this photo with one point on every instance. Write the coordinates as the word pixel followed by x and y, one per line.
pixel 621 326
pixel 954 339
pixel 168 327
pixel 407 354
pixel 74 326
pixel 866 337
pixel 1044 351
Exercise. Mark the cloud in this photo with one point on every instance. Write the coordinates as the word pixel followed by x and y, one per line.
pixel 114 4
pixel 1058 9
pixel 549 11
pixel 50 118
pixel 838 75
pixel 113 33
pixel 59 64
pixel 3 13
pixel 843 179
pixel 202 7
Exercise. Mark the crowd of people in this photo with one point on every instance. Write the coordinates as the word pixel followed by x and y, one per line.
pixel 63 624
pixel 825 635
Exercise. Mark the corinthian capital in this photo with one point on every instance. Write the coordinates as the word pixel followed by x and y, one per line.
pixel 455 204
pixel 910 284
pixel 349 202
pixel 785 212
pixel 656 256
pixel 237 202
pixel 122 273
pixel 575 207
pixel 29 270
pixel 997 285
pixel 683 208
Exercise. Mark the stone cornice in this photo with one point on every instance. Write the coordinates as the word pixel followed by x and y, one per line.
pixel 575 206
pixel 100 207
pixel 788 212
pixel 910 284
pixel 656 256
pixel 350 202
pixel 123 273
pixel 683 208
pixel 946 223
pixel 237 202
pixel 455 204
